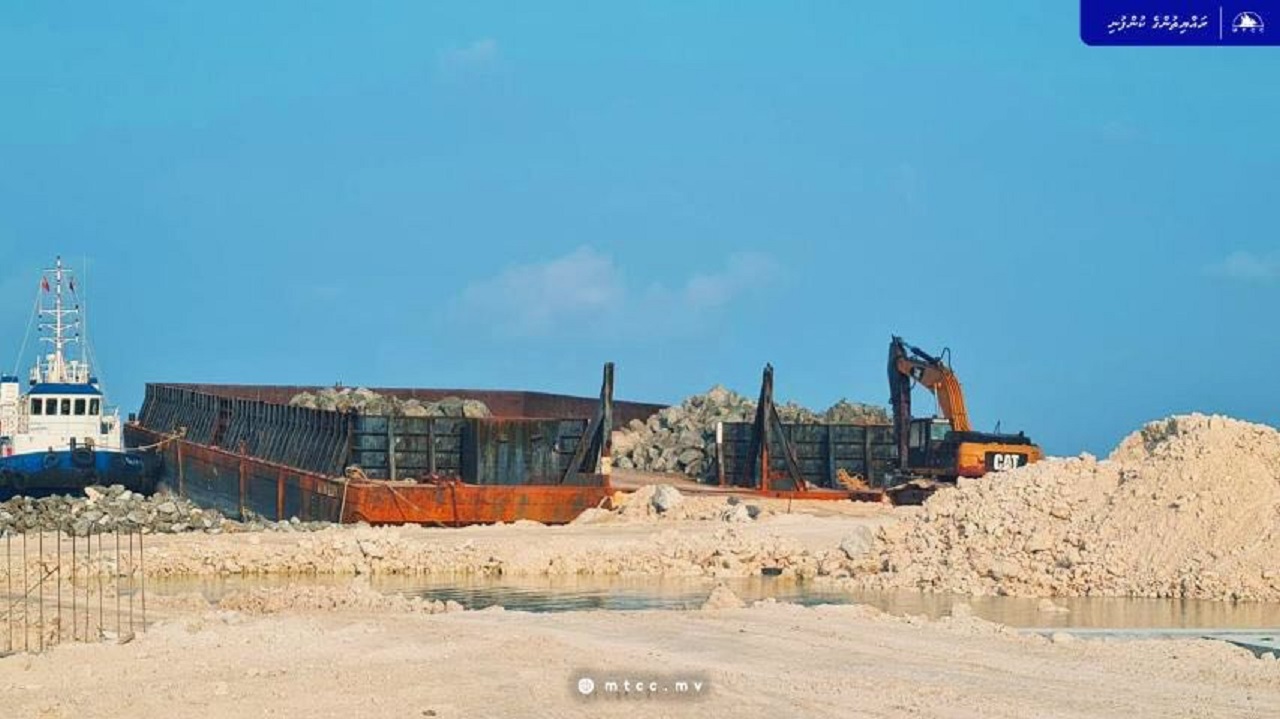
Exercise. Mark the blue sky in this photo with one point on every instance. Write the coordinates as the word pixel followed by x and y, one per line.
pixel 508 194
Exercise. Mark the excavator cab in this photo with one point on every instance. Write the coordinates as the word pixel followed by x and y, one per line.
pixel 931 449
pixel 928 431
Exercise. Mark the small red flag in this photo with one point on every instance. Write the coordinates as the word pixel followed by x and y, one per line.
pixel 44 283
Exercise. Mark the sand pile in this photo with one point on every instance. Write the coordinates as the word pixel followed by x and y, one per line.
pixel 722 597
pixel 1188 506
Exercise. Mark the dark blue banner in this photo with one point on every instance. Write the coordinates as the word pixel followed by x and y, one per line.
pixel 1180 22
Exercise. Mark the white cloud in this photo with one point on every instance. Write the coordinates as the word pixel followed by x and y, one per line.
pixel 706 292
pixel 587 291
pixel 1247 266
pixel 530 299
pixel 477 56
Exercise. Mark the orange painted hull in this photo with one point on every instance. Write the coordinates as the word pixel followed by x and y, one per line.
pixel 453 504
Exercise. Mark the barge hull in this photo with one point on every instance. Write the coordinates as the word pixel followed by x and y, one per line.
pixel 244 487
pixel 253 457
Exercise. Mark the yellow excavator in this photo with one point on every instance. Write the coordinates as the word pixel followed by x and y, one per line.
pixel 948 447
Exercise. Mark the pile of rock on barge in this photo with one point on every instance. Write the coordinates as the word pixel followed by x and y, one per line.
pixel 244 450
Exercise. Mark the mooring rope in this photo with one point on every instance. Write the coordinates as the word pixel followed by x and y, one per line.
pixel 182 432
pixel 357 475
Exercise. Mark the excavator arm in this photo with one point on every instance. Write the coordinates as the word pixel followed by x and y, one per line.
pixel 907 363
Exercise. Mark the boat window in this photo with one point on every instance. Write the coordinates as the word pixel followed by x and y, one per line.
pixel 93 406
pixel 66 405
pixel 37 405
pixel 51 406
pixel 79 407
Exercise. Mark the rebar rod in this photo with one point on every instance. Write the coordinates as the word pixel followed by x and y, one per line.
pixel 40 587
pixel 75 619
pixel 116 576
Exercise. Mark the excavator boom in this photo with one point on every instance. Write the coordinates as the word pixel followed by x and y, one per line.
pixel 933 374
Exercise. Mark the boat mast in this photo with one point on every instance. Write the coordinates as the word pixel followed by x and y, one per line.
pixel 57 369
pixel 57 321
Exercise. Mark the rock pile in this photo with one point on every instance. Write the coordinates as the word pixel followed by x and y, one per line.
pixel 274 600
pixel 106 509
pixel 369 402
pixel 663 502
pixel 1188 506
pixel 682 438
pixel 257 523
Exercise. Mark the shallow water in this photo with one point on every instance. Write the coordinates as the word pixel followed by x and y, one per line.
pixel 549 595
pixel 560 594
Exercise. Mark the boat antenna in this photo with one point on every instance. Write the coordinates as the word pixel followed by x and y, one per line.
pixel 26 336
pixel 90 357
pixel 84 316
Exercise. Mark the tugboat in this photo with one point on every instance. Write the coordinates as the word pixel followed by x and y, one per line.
pixel 60 436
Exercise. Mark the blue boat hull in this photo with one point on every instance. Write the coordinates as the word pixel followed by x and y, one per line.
pixel 70 471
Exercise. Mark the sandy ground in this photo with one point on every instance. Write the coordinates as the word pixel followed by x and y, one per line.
pixel 798 538
pixel 343 651
pixel 764 661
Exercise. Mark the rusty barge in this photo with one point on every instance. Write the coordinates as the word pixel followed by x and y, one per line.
pixel 243 450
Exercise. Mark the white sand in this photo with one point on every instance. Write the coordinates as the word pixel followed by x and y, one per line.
pixel 766 661
pixel 319 651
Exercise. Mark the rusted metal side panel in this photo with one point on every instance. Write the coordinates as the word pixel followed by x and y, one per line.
pixel 293 436
pixel 421 443
pixel 520 451
pixel 821 450
pixel 206 480
pixel 260 488
pixel 457 504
